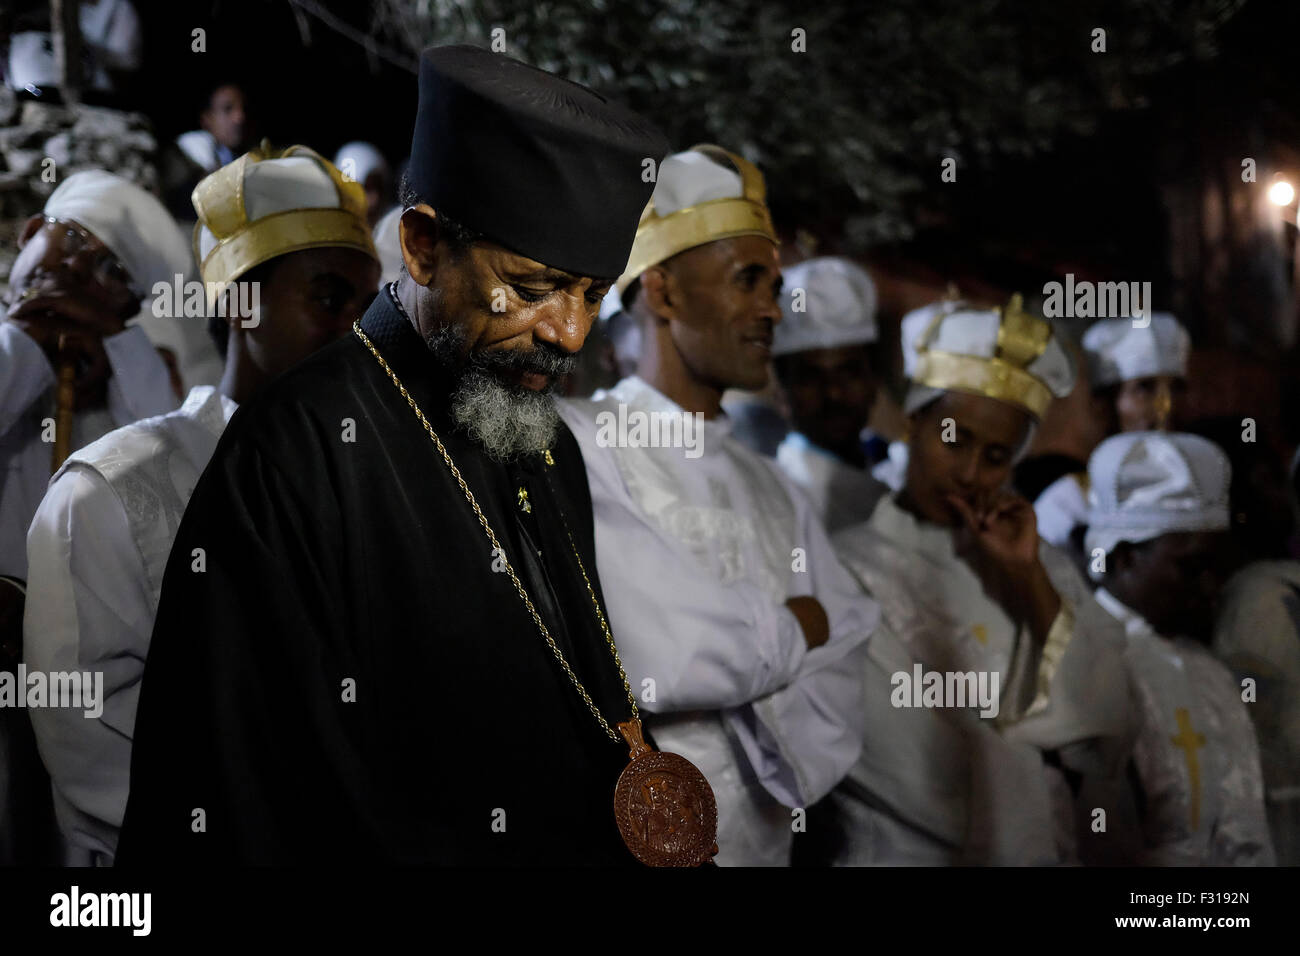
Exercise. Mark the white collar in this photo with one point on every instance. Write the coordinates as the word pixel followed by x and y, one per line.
pixel 636 391
pixel 901 526
pixel 210 407
pixel 1135 625
pixel 799 442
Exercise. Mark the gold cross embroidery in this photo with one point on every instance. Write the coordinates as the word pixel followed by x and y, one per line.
pixel 1188 740
pixel 525 505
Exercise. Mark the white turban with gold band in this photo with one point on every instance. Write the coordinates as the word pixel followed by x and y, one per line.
pixel 701 195
pixel 265 205
pixel 1005 353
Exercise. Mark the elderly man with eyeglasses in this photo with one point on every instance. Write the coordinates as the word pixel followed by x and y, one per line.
pixel 85 265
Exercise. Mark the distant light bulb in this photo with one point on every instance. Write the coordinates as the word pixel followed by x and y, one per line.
pixel 1282 193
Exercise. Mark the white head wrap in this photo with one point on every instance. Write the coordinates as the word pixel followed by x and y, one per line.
pixel 132 223
pixel 388 243
pixel 826 303
pixel 611 305
pixel 1146 484
pixel 1119 351
pixel 357 160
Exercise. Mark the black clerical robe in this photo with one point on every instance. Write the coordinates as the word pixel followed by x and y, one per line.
pixel 340 673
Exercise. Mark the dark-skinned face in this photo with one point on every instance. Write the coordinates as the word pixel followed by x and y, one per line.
pixel 311 298
pixel 508 308
pixel 830 392
pixel 62 257
pixel 225 118
pixel 66 284
pixel 724 297
pixel 974 467
pixel 1173 581
pixel 1152 403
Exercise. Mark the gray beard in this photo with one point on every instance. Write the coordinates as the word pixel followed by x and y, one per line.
pixel 508 421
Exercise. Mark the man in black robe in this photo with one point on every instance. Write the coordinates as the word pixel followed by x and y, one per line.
pixel 341 668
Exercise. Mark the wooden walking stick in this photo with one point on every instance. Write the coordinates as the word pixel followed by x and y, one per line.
pixel 65 398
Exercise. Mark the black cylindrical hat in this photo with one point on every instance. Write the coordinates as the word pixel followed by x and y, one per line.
pixel 546 167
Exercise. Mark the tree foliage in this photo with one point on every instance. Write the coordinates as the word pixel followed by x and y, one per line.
pixel 851 132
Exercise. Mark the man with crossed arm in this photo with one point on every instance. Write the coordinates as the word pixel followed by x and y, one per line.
pixel 736 622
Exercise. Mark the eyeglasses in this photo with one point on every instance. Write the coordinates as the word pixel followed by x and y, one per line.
pixel 106 267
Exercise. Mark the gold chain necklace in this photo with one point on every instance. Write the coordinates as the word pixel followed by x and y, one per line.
pixel 664 807
pixel 500 552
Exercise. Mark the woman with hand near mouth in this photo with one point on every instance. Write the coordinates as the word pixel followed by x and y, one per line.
pixel 966 586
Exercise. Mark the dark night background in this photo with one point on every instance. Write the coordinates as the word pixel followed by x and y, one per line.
pixel 1122 165
pixel 1083 200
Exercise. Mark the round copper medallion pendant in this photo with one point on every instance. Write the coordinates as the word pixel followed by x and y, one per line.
pixel 665 809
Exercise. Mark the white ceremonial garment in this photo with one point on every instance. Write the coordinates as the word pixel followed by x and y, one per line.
pixel 201 148
pixel 841 495
pixel 1257 634
pixel 1196 757
pixel 892 471
pixel 697 556
pixel 1061 507
pixel 940 784
pixel 139 386
pixel 97 550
